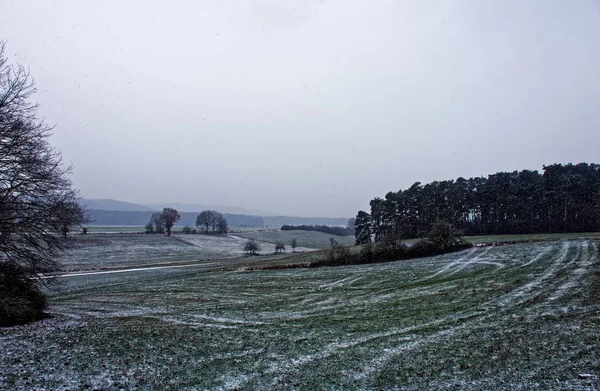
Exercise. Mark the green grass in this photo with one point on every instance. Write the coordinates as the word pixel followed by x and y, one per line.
pixel 508 317
pixel 530 237
pixel 309 239
pixel 116 228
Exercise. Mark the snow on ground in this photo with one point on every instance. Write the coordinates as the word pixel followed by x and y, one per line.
pixel 502 317
pixel 95 252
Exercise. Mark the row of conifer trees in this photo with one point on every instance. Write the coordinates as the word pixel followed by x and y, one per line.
pixel 561 199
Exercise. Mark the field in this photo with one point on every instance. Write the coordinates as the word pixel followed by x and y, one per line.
pixel 106 251
pixel 521 316
pixel 109 251
pixel 310 239
pixel 116 228
pixel 530 237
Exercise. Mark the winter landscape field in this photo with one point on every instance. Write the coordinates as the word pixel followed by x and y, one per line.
pixel 521 316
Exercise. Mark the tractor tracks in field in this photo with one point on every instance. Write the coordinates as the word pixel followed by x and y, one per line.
pixel 137 269
pixel 503 306
pixel 561 275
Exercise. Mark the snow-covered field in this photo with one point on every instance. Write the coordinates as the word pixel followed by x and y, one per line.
pixel 507 317
pixel 102 251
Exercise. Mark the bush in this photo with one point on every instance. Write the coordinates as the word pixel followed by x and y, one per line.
pixel 443 235
pixel 367 255
pixel 424 248
pixel 445 239
pixel 21 300
pixel 390 249
pixel 338 254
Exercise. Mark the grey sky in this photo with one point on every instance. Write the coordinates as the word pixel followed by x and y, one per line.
pixel 307 107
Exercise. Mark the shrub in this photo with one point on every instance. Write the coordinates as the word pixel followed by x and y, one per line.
pixel 424 248
pixel 367 255
pixel 338 254
pixel 443 235
pixel 20 298
pixel 389 249
pixel 150 228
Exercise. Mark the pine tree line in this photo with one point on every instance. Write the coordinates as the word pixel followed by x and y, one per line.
pixel 564 198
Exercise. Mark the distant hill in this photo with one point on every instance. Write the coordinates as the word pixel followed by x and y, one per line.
pixel 108 204
pixel 113 212
pixel 200 207
pixel 122 217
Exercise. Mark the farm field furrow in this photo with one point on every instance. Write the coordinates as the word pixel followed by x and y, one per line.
pixel 519 316
pixel 110 251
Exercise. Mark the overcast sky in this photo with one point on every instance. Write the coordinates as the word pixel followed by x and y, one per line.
pixel 307 107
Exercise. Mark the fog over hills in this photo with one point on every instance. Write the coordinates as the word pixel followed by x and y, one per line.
pixel 124 206
pixel 103 213
pixel 108 204
pixel 200 207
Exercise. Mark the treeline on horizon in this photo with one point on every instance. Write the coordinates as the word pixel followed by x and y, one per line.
pixel 338 231
pixel 117 217
pixel 562 199
pixel 121 217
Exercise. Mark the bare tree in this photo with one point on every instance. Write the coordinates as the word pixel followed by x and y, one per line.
pixel 251 247
pixel 38 205
pixel 170 216
pixel 205 219
pixel 222 224
pixel 212 221
pixel 279 247
pixel 150 227
pixel 156 224
pixel 294 244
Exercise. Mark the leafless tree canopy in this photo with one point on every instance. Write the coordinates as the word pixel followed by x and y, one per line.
pixel 37 202
pixel 251 247
pixel 170 216
pixel 279 247
pixel 212 221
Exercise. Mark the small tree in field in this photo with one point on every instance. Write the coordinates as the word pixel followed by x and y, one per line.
pixel 156 224
pixel 71 214
pixel 294 244
pixel 279 247
pixel 170 216
pixel 212 221
pixel 222 224
pixel 251 247
pixel 150 228
pixel 205 219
